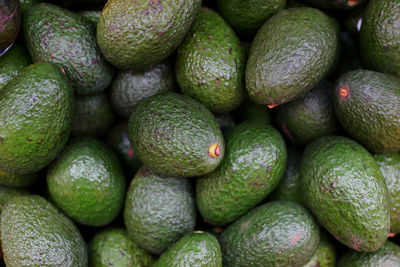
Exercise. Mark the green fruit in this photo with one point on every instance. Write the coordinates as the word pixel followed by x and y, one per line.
pixel 159 210
pixel 197 249
pixel 8 193
pixel 336 4
pixel 325 255
pixel 87 183
pixel 366 104
pixel 342 185
pixel 252 112
pixel 254 162
pixel 92 16
pixel 138 35
pixel 16 59
pixel 35 116
pixel 175 135
pixel 279 233
pixel 290 54
pixel 10 19
pixel 35 233
pixel 26 4
pixel 210 63
pixel 17 180
pixel 57 35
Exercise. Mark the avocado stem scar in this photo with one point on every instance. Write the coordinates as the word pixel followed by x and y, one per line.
pixel 272 105
pixel 352 2
pixel 214 150
pixel 344 92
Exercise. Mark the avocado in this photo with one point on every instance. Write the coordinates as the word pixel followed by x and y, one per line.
pixel 17 180
pixel 389 164
pixel 159 210
pixel 366 104
pixel 380 36
pixel 16 59
pixel 91 16
pixel 93 115
pixel 35 116
pixel 54 34
pixel 8 193
pixel 342 185
pixel 325 255
pixel 210 63
pixel 35 233
pixel 175 135
pixel 388 255
pixel 197 249
pixel 113 247
pixel 10 18
pixel 138 35
pixel 254 162
pixel 129 87
pixel 336 4
pixel 308 117
pixel 253 112
pixel 86 182
pixel 290 54
pixel 26 4
pixel 278 233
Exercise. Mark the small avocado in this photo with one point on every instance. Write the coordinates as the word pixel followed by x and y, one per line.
pixel 175 135
pixel 197 249
pixel 10 17
pixel 342 185
pixel 35 233
pixel 325 255
pixel 17 180
pixel 16 59
pixel 253 112
pixel 278 233
pixel 159 210
pixel 336 4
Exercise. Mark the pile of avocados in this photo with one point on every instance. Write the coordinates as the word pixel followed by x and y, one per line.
pixel 190 133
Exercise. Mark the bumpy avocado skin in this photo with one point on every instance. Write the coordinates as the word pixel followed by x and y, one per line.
pixel 136 36
pixel 279 233
pixel 35 115
pixel 254 162
pixel 380 36
pixel 54 34
pixel 325 255
pixel 35 233
pixel 159 210
pixel 342 185
pixel 366 104
pixel 336 4
pixel 10 22
pixel 14 61
pixel 210 63
pixel 172 134
pixel 197 249
pixel 7 193
pixel 290 54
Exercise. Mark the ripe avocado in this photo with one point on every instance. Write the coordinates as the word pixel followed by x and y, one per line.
pixel 210 63
pixel 336 4
pixel 16 59
pixel 342 185
pixel 10 22
pixel 325 255
pixel 17 180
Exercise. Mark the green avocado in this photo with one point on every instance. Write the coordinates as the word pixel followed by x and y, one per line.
pixel 17 180
pixel 35 233
pixel 54 34
pixel 91 16
pixel 253 112
pixel 26 4
pixel 290 54
pixel 10 22
pixel 325 255
pixel 278 233
pixel 210 63
pixel 8 193
pixel 13 62
pixel 35 116
pixel 342 185
pixel 336 4
pixel 175 135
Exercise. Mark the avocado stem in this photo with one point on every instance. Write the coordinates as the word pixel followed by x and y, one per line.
pixel 344 92
pixel 214 150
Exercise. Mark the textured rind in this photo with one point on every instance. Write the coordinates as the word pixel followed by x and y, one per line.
pixel 172 133
pixel 14 61
pixel 388 255
pixel 336 4
pixel 210 63
pixel 10 22
pixel 113 247
pixel 7 193
pixel 290 54
pixel 279 233
pixel 159 210
pixel 194 249
pixel 17 180
pixel 254 162
pixel 35 117
pixel 35 233
pixel 136 34
pixel 371 112
pixel 57 35
pixel 325 255
pixel 87 183
pixel 380 36
pixel 342 185
pixel 129 87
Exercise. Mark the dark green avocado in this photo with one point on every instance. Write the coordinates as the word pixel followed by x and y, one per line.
pixel 26 4
pixel 16 59
pixel 325 255
pixel 253 112
pixel 10 22
pixel 17 180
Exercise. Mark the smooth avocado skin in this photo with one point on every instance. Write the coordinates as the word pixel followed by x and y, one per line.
pixel 325 255
pixel 336 4
pixel 113 247
pixel 197 249
pixel 10 18
pixel 342 185
pixel 35 233
pixel 17 180
pixel 254 162
pixel 136 36
pixel 278 233
pixel 175 135
pixel 36 110
pixel 54 34
pixel 290 54
pixel 380 36
pixel 210 63
pixel 159 210
pixel 13 62
pixel 87 183
pixel 366 104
